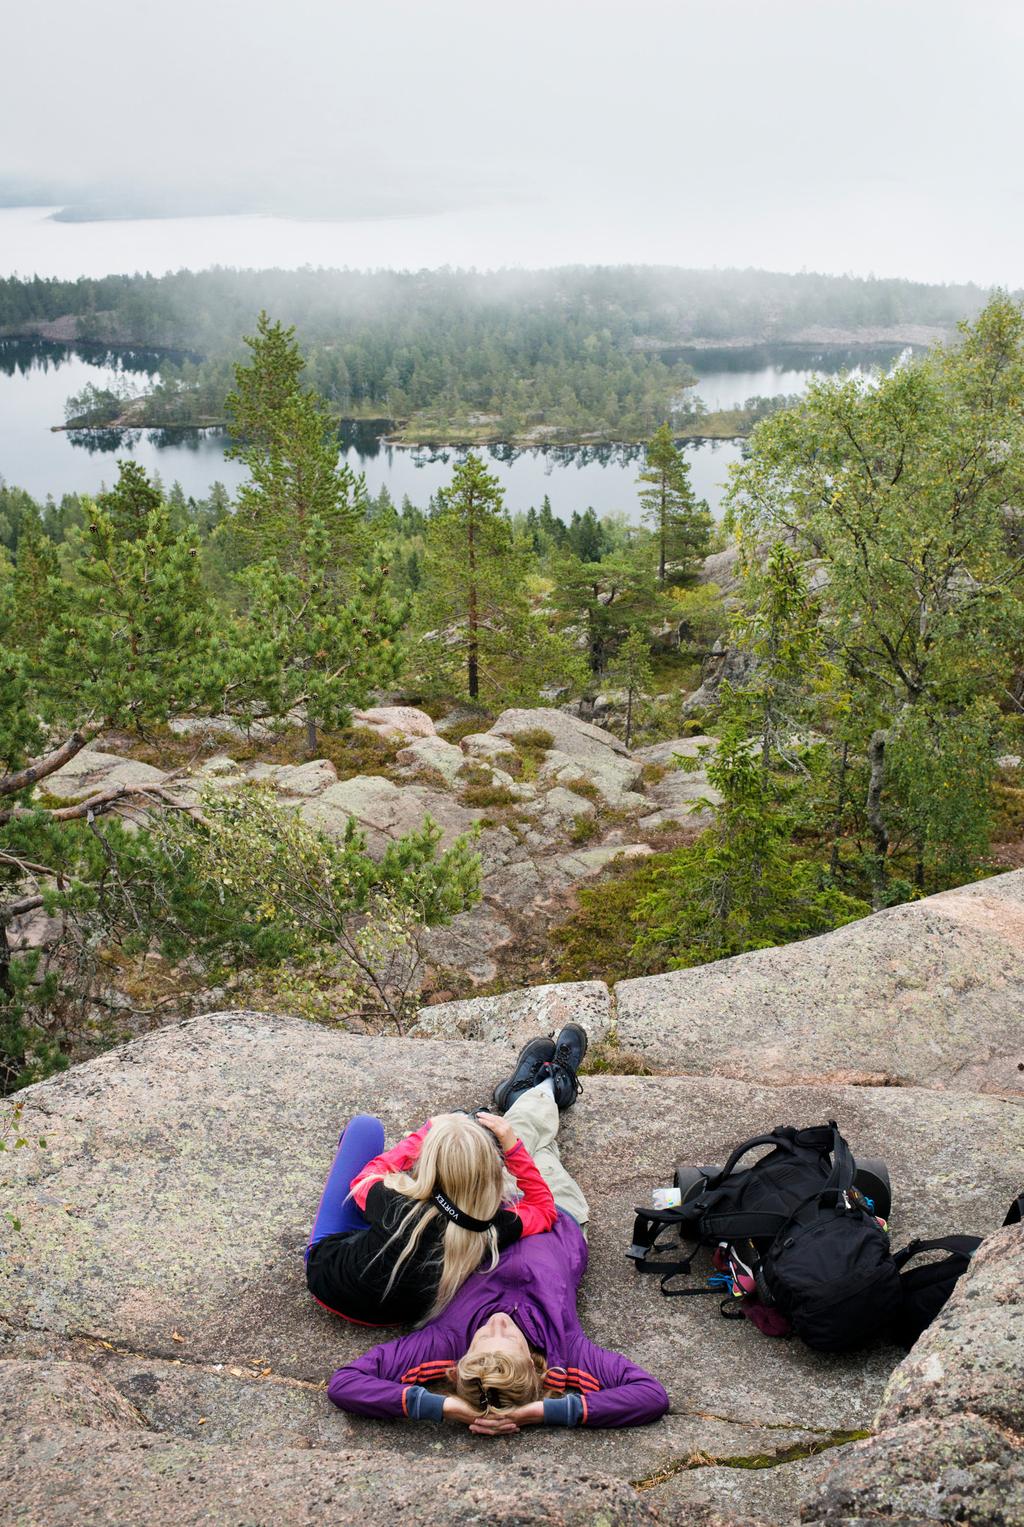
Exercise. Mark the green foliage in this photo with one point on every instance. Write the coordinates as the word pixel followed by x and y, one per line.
pixel 779 625
pixel 290 448
pixel 941 771
pixel 533 739
pixel 123 641
pixel 701 615
pixel 93 405
pixel 17 508
pixel 599 603
pixel 741 885
pixel 487 794
pixel 528 750
pixel 20 724
pixel 632 671
pixel 462 355
pixel 131 501
pixel 880 605
pixel 585 828
pixel 27 1052
pixel 319 627
pixel 599 941
pixel 745 883
pixel 480 638
pixel 682 524
pixel 899 489
pixel 124 649
pixel 284 894
pixel 247 893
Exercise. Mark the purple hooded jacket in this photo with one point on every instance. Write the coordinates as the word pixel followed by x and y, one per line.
pixel 535 1282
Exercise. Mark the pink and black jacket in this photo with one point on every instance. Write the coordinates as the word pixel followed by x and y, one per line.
pixel 348 1274
pixel 535 1282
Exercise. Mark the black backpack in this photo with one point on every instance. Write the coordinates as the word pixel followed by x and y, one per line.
pixel 806 1237
pixel 926 1288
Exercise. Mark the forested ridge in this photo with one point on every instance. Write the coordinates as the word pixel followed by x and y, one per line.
pixel 571 353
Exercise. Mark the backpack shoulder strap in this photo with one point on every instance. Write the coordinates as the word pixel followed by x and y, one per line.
pixel 843 1167
pixel 647 1226
pixel 957 1245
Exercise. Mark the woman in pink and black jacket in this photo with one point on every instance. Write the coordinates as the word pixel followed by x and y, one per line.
pixel 398 1232
pixel 508 1351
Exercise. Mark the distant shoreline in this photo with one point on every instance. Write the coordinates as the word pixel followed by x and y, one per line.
pixel 455 441
pixel 428 429
pixel 64 330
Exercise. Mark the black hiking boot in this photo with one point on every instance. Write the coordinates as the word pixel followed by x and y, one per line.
pixel 532 1057
pixel 570 1048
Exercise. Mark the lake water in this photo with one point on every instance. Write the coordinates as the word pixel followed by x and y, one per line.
pixel 37 378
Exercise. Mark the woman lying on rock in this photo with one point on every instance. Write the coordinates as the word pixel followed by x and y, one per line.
pixel 398 1232
pixel 508 1351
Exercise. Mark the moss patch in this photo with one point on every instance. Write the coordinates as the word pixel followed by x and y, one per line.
pixel 596 943
pixel 354 750
pixel 468 726
pixel 488 795
pixel 793 1454
pixel 584 787
pixel 584 829
pixel 607 1058
pixel 530 748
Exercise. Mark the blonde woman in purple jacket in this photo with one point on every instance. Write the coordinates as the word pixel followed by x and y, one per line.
pixel 509 1350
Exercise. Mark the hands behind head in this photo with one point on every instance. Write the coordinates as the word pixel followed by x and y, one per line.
pixel 496 1423
pixel 499 1128
pixel 499 1423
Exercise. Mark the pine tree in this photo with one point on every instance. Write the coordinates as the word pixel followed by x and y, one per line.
pixel 130 502
pixel 681 522
pixel 744 883
pixel 552 528
pixel 472 572
pixel 124 642
pixel 586 537
pixel 37 589
pixel 632 670
pixel 290 446
pixel 599 603
pixel 479 634
pixel 319 629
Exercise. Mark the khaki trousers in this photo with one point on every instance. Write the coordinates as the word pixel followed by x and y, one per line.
pixel 535 1118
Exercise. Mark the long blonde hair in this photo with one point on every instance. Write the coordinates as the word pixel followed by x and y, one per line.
pixel 496 1381
pixel 461 1158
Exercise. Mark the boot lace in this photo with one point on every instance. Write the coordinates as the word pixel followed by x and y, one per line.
pixel 562 1061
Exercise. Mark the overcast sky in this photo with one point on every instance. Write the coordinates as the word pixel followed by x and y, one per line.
pixel 860 135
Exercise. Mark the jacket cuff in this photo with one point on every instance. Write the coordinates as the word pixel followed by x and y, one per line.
pixel 565 1410
pixel 423 1405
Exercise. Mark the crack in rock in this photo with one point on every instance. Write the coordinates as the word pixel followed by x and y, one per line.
pixel 793 1454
